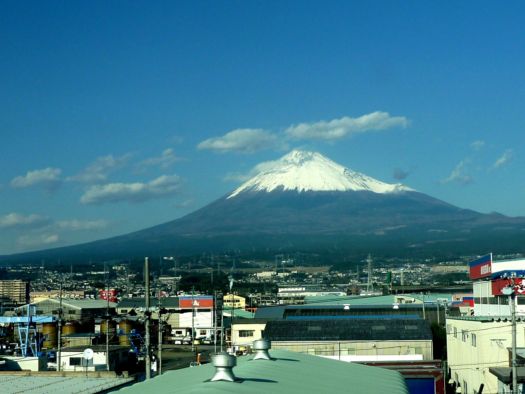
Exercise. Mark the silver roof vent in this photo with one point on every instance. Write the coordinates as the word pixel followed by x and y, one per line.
pixel 261 347
pixel 224 363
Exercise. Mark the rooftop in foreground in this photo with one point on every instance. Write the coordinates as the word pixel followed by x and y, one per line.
pixel 288 372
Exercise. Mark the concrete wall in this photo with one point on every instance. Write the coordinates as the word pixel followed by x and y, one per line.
pixel 18 363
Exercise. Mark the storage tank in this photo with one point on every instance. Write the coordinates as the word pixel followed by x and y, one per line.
pixel 124 328
pixel 69 328
pixel 49 331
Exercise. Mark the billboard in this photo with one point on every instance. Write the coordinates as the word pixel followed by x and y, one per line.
pixel 481 268
pixel 196 302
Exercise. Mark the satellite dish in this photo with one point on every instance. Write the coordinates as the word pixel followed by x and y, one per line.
pixel 88 354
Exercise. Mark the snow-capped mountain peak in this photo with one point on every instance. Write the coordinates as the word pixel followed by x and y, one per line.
pixel 310 171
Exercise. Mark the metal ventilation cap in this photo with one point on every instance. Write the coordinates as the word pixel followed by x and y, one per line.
pixel 224 363
pixel 261 347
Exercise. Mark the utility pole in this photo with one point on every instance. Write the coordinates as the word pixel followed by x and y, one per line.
pixel 510 292
pixel 512 299
pixel 148 317
pixel 159 356
pixel 193 319
pixel 107 315
pixel 215 322
pixel 59 350
pixel 222 324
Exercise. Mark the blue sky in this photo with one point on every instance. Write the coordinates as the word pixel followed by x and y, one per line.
pixel 115 116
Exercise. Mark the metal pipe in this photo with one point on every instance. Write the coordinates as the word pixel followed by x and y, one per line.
pixel 147 322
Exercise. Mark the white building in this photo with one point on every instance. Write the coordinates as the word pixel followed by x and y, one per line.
pixel 483 340
pixel 475 344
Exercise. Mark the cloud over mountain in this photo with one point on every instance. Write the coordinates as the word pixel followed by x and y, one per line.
pixel 241 140
pixel 162 186
pixel 338 128
pixel 164 161
pixel 503 159
pixel 17 220
pixel 99 169
pixel 459 174
pixel 49 178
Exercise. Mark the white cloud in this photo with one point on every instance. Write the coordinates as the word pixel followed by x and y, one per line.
pixel 48 177
pixel 477 145
pixel 503 159
pixel 38 240
pixel 459 175
pixel 132 192
pixel 345 126
pixel 164 161
pixel 99 170
pixel 242 140
pixel 75 224
pixel 16 220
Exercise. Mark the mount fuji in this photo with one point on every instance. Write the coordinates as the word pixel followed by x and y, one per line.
pixel 304 202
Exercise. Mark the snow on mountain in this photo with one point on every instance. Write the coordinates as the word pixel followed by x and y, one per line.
pixel 310 171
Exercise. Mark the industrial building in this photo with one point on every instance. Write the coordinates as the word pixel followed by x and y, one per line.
pixel 354 339
pixel 82 311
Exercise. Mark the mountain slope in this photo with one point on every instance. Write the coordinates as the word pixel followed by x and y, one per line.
pixel 306 202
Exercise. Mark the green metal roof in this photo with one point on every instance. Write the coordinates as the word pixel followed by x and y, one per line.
pixel 241 313
pixel 288 372
pixel 371 300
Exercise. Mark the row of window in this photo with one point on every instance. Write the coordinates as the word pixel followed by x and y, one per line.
pixel 464 335
pixel 497 300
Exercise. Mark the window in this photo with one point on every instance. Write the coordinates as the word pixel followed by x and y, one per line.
pixel 455 332
pixel 464 335
pixel 75 361
pixel 123 311
pixel 202 332
pixel 473 339
pixel 246 333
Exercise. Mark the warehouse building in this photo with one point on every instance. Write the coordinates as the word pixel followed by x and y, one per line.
pixel 354 339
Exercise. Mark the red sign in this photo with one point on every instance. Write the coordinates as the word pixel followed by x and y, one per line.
pixel 196 302
pixel 111 294
pixel 481 268
pixel 499 284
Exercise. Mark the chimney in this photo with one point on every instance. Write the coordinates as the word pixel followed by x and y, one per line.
pixel 261 347
pixel 224 363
